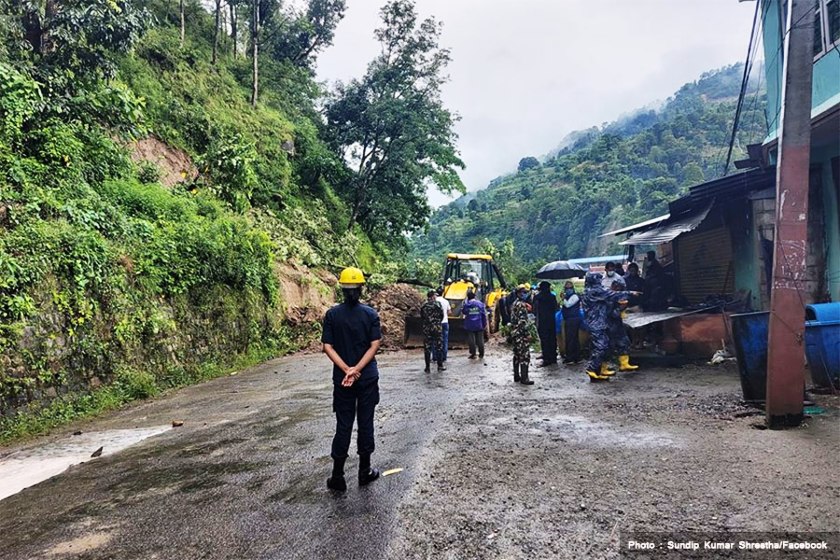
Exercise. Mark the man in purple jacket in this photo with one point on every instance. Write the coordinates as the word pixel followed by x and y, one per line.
pixel 475 323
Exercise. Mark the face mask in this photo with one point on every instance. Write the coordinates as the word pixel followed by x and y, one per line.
pixel 523 296
pixel 352 295
pixel 570 292
pixel 610 273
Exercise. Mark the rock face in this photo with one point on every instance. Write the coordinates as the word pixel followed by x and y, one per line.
pixel 175 165
pixel 394 303
pixel 52 356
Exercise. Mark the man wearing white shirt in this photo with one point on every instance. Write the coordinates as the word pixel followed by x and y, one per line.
pixel 444 303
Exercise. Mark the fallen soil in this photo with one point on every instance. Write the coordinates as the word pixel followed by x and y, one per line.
pixel 394 303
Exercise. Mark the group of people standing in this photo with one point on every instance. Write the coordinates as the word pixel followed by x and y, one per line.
pixel 434 315
pixel 352 335
pixel 599 311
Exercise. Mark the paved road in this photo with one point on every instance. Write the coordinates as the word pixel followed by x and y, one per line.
pixel 243 478
pixel 492 470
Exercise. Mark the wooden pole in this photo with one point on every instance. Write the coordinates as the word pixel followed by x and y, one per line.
pixel 785 354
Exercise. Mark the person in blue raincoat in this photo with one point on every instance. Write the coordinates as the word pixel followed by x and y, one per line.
pixel 598 304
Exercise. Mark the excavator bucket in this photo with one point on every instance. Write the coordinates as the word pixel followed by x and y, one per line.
pixel 413 332
pixel 457 334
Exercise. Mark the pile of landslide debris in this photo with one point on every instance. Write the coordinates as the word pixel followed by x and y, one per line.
pixel 394 303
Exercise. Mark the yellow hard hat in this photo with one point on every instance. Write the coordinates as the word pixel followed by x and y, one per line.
pixel 525 287
pixel 351 277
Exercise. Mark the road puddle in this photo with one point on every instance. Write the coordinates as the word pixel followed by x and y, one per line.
pixel 27 467
pixel 584 431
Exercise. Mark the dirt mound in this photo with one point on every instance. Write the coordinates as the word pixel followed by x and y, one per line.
pixel 393 304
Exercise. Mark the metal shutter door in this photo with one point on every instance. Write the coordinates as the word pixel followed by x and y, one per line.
pixel 705 261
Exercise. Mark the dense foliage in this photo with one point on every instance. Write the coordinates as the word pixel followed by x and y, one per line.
pixel 602 178
pixel 103 263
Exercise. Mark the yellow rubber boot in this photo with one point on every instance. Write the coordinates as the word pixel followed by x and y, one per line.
pixel 625 365
pixel 593 377
pixel 606 371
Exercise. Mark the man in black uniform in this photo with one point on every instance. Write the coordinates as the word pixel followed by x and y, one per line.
pixel 545 307
pixel 351 338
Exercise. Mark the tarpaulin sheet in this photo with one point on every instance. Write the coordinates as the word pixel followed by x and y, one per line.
pixel 636 320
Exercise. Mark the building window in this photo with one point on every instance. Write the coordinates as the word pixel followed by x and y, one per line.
pixel 818 34
pixel 832 10
pixel 826 26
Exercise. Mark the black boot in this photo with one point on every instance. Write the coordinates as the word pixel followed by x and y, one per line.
pixel 516 376
pixel 524 377
pixel 336 481
pixel 428 358
pixel 441 367
pixel 366 473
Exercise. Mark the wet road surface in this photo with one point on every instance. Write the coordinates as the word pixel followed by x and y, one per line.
pixel 491 469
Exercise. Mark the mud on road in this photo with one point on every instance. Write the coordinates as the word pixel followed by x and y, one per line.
pixel 492 469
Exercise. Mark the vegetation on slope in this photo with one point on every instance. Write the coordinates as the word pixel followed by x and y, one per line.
pixel 112 283
pixel 605 177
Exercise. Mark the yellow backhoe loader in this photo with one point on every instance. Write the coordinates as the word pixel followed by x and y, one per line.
pixel 462 272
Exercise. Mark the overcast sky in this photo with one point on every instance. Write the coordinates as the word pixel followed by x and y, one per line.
pixel 527 72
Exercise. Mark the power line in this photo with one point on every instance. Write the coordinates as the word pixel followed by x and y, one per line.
pixel 744 81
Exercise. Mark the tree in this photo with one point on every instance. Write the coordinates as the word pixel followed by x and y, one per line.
pixel 75 42
pixel 183 21
pixel 392 128
pixel 255 51
pixel 301 35
pixel 234 19
pixel 216 27
pixel 529 162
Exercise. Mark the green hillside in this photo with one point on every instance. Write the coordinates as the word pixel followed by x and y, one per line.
pixel 603 178
pixel 156 196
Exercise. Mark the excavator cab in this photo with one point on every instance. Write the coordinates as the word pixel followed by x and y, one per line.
pixel 462 272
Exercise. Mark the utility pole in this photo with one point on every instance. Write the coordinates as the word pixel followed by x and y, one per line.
pixel 785 356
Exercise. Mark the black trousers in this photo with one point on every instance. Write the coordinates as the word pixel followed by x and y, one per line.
pixel 571 326
pixel 548 344
pixel 476 339
pixel 355 402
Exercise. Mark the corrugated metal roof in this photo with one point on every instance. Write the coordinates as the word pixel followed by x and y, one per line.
pixel 671 229
pixel 595 260
pixel 640 225
pixel 732 186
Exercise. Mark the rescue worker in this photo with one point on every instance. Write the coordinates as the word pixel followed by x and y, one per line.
pixel 545 306
pixel 444 333
pixel 431 314
pixel 475 323
pixel 619 341
pixel 351 337
pixel 521 336
pixel 598 303
pixel 571 323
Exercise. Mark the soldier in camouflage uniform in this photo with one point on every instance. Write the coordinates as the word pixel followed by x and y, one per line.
pixel 431 314
pixel 521 336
